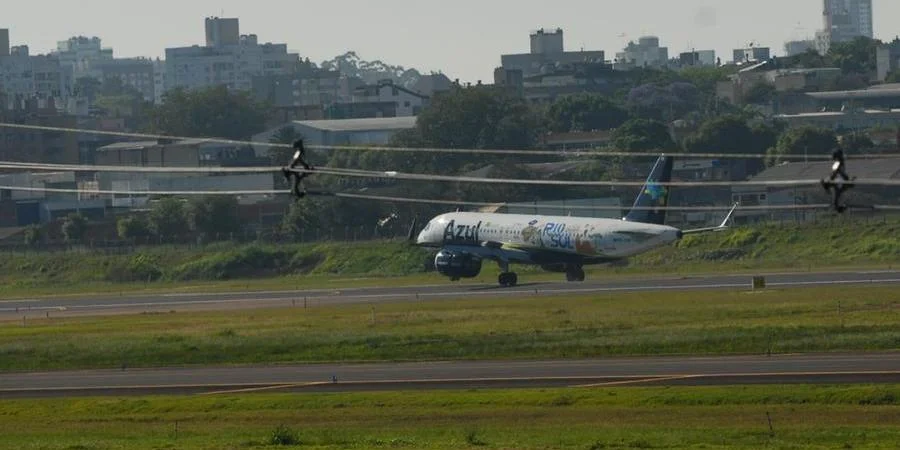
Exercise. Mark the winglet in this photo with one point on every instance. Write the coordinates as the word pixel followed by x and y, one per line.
pixel 728 217
pixel 722 227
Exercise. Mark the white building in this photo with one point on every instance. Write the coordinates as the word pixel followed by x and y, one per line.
pixel 24 76
pixel 232 60
pixel 646 52
pixel 83 55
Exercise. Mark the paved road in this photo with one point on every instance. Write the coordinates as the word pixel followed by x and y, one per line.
pixel 815 368
pixel 15 309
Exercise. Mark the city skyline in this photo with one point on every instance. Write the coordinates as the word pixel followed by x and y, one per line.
pixel 430 37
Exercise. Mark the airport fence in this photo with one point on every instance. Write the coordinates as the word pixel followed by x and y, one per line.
pixel 275 236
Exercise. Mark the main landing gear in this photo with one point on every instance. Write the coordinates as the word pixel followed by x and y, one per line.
pixel 507 278
pixel 574 274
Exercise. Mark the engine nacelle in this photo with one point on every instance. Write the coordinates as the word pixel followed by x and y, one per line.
pixel 457 265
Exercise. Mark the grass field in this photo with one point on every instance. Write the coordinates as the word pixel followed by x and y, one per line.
pixel 703 322
pixel 802 417
pixel 837 243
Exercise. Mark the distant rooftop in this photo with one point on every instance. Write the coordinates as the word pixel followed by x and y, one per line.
pixel 882 92
pixel 370 124
pixel 886 168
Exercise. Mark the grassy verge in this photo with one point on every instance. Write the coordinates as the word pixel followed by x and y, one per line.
pixel 831 244
pixel 802 417
pixel 800 320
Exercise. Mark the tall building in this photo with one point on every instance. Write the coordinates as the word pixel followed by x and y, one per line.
pixel 646 52
pixel 4 42
pixel 83 55
pixel 221 32
pixel 844 20
pixel 135 72
pixel 547 55
pixel 24 76
pixel 228 62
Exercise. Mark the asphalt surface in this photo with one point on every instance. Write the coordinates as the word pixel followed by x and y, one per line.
pixel 734 370
pixel 124 304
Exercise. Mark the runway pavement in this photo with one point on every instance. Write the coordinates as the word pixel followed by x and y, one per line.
pixel 111 304
pixel 733 370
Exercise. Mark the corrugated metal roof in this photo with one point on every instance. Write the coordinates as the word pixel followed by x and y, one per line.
pixel 868 168
pixel 373 124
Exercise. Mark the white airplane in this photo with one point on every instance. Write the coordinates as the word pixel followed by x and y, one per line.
pixel 557 244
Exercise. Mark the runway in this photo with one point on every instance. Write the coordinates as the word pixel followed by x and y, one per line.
pixel 611 372
pixel 130 303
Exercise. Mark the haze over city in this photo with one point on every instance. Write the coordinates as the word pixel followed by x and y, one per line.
pixel 464 39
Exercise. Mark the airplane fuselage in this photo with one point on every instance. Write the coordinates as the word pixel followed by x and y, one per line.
pixel 542 239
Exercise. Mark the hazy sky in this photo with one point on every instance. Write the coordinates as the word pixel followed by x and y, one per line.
pixel 463 38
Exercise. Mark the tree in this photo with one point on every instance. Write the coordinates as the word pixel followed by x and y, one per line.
pixel 168 218
pixel 133 227
pixel 214 215
pixel 74 227
pixel 642 135
pixel 585 112
pixel 803 141
pixel 893 77
pixel 759 93
pixel 664 102
pixel 478 117
pixel 856 56
pixel 210 112
pixel 729 134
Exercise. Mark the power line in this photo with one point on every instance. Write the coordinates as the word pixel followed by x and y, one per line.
pixel 394 175
pixel 518 152
pixel 395 199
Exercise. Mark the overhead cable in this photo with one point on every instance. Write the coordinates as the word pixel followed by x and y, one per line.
pixel 394 175
pixel 515 152
pixel 396 199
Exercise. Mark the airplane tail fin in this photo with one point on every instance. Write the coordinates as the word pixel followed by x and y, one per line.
pixel 653 194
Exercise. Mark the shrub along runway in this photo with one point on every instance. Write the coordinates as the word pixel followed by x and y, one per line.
pixel 110 304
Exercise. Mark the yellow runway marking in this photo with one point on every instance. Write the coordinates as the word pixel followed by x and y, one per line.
pixel 638 381
pixel 264 388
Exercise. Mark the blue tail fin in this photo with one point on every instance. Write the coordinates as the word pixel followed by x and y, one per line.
pixel 653 194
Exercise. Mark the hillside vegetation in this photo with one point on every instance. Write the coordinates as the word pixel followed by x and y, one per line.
pixel 838 243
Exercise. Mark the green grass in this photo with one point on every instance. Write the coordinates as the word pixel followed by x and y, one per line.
pixel 707 322
pixel 802 417
pixel 832 244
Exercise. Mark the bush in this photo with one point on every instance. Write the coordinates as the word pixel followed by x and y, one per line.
pixel 283 436
pixel 74 227
pixel 138 268
pixel 34 234
pixel 133 227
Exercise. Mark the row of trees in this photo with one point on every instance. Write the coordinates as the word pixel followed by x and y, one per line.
pixel 170 217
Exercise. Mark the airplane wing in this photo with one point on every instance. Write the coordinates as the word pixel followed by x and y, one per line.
pixel 722 227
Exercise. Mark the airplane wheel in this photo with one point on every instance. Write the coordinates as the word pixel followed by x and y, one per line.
pixel 508 279
pixel 575 275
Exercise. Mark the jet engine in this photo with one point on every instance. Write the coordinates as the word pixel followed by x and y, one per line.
pixel 457 265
